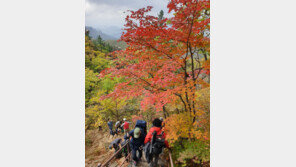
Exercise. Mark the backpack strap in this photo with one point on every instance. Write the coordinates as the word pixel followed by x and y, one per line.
pixel 152 141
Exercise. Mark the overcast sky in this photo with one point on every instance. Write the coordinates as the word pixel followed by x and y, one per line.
pixel 110 14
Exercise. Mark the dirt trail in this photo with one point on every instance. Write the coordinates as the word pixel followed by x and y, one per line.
pixel 97 151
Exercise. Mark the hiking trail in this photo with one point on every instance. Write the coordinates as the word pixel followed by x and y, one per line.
pixel 97 151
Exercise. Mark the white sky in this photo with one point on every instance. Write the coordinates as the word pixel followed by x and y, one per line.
pixel 108 14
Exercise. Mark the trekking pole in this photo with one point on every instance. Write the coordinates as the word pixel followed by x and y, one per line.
pixel 171 160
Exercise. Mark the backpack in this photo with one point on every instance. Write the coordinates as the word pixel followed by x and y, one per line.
pixel 157 143
pixel 142 124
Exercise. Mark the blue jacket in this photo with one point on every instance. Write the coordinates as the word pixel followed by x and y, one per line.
pixel 136 143
pixel 116 141
pixel 110 125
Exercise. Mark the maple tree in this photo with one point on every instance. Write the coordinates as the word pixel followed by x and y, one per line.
pixel 166 59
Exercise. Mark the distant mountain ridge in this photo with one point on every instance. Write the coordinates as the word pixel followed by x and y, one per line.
pixel 112 30
pixel 94 33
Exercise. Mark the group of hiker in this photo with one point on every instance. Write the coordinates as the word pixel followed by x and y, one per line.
pixel 119 126
pixel 152 143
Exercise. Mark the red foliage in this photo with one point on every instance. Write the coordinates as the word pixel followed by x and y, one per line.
pixel 157 58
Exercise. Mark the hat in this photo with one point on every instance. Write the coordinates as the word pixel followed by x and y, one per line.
pixel 157 122
pixel 137 133
pixel 124 119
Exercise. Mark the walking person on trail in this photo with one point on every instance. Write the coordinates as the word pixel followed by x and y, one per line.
pixel 110 125
pixel 117 126
pixel 155 142
pixel 115 144
pixel 125 125
pixel 137 136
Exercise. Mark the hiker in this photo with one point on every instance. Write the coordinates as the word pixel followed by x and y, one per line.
pixel 155 142
pixel 110 125
pixel 117 126
pixel 125 125
pixel 121 127
pixel 137 136
pixel 115 144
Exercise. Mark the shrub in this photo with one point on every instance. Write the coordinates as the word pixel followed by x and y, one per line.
pixel 191 153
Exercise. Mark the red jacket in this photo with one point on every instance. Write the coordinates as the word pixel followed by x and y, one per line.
pixel 158 132
pixel 125 125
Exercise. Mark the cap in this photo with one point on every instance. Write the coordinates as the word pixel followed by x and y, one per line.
pixel 137 133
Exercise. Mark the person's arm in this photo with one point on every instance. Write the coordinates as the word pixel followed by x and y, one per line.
pixel 118 142
pixel 130 133
pixel 143 140
pixel 125 137
pixel 166 144
pixel 165 141
pixel 148 137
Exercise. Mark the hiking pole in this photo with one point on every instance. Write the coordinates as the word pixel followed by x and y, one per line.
pixel 171 160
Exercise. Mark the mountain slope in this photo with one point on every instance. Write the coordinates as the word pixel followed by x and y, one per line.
pixel 94 33
pixel 120 45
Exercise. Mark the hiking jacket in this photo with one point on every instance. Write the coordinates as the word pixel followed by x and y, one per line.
pixel 136 143
pixel 110 125
pixel 158 132
pixel 117 123
pixel 116 141
pixel 126 125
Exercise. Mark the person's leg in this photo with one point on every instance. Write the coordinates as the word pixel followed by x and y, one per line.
pixel 134 155
pixel 140 154
pixel 151 163
pixel 147 152
pixel 156 160
pixel 116 147
pixel 125 152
